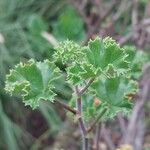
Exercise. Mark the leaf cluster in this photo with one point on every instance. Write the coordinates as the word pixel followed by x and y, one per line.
pixel 108 65
pixel 34 81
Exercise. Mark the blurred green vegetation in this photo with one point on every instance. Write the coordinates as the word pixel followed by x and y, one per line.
pixel 22 24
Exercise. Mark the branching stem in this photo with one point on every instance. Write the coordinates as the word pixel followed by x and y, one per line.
pixel 87 86
pixel 83 128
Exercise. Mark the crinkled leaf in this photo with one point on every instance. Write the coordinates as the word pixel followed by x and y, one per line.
pixel 105 53
pixel 33 81
pixel 68 52
pixel 73 73
pixel 77 73
pixel 116 93
pixel 137 59
pixel 101 56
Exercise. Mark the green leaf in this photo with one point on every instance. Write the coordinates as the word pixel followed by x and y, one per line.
pixel 77 73
pixel 68 52
pixel 101 56
pixel 73 73
pixel 33 81
pixel 107 55
pixel 115 93
pixel 137 58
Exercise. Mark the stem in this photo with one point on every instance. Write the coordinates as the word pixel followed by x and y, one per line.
pixel 79 110
pixel 106 136
pixel 122 125
pixel 96 120
pixel 87 86
pixel 81 123
pixel 84 134
pixel 79 105
pixel 142 97
pixel 97 136
pixel 66 107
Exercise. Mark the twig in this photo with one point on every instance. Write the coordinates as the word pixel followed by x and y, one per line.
pixel 124 7
pixel 84 134
pixel 66 106
pixel 96 120
pixel 86 87
pixel 93 28
pixel 147 10
pixel 107 13
pixel 107 138
pixel 84 131
pixel 37 143
pixel 78 100
pixel 129 36
pixel 122 124
pixel 97 137
pixel 139 140
pixel 141 99
pixel 80 6
pixel 134 14
pixel 125 38
pixel 81 123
